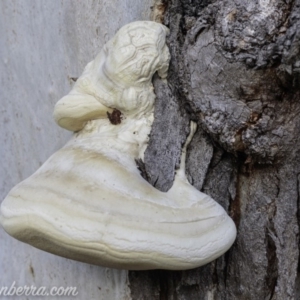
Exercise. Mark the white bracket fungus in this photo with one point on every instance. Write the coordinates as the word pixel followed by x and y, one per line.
pixel 88 201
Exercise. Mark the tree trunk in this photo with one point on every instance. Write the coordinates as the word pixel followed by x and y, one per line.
pixel 235 70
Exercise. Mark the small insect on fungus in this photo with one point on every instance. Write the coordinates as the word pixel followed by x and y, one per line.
pixel 115 117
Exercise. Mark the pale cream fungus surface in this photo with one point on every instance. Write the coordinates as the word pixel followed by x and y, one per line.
pixel 88 201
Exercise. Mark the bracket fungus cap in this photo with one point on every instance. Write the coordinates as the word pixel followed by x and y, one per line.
pixel 88 201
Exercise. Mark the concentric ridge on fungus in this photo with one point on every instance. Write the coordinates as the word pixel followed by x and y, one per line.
pixel 88 201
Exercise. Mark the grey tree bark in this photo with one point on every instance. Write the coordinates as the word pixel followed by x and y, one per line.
pixel 235 70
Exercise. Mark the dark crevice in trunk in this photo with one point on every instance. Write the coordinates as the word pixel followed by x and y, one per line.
pixel 234 209
pixel 163 284
pixel 272 267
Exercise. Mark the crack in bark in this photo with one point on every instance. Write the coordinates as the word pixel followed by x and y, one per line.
pixel 270 237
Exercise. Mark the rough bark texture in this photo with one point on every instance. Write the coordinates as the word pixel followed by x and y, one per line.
pixel 235 70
